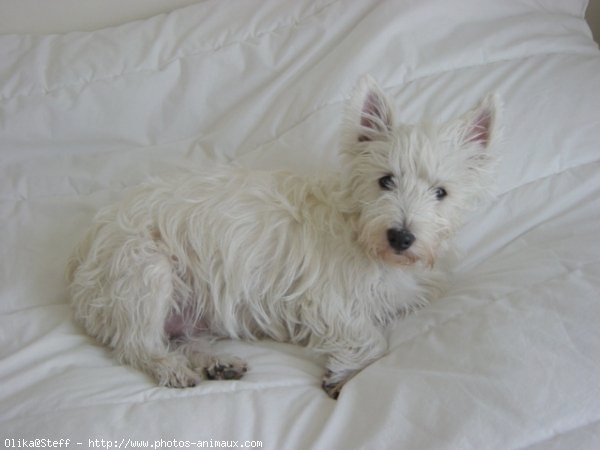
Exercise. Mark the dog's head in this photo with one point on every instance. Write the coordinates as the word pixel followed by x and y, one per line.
pixel 411 184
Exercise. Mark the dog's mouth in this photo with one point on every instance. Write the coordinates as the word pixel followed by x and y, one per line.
pixel 400 258
pixel 397 249
pixel 408 257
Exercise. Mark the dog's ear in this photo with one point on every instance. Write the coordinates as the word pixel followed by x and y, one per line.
pixel 369 116
pixel 479 126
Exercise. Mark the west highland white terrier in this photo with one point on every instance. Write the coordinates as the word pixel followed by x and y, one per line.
pixel 324 261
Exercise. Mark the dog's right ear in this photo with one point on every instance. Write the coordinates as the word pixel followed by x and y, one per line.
pixel 369 116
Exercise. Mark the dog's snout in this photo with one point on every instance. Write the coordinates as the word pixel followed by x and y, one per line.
pixel 400 239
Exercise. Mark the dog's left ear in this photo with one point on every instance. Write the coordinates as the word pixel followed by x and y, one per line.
pixel 369 116
pixel 479 126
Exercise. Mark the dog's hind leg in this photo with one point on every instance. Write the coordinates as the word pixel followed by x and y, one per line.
pixel 142 295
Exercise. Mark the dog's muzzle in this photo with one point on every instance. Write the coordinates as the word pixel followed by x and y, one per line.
pixel 400 239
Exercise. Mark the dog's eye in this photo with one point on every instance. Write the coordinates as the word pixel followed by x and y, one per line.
pixel 440 193
pixel 387 183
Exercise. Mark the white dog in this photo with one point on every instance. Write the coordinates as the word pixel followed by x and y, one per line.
pixel 325 261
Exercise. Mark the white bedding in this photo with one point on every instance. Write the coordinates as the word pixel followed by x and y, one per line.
pixel 509 359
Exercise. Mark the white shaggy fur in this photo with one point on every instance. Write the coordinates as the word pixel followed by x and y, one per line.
pixel 230 252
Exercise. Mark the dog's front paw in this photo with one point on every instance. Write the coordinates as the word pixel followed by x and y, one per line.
pixel 332 389
pixel 226 369
pixel 332 386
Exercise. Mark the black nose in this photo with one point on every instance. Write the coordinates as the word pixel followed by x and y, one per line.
pixel 400 239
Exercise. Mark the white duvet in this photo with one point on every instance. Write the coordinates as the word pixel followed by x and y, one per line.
pixel 509 359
